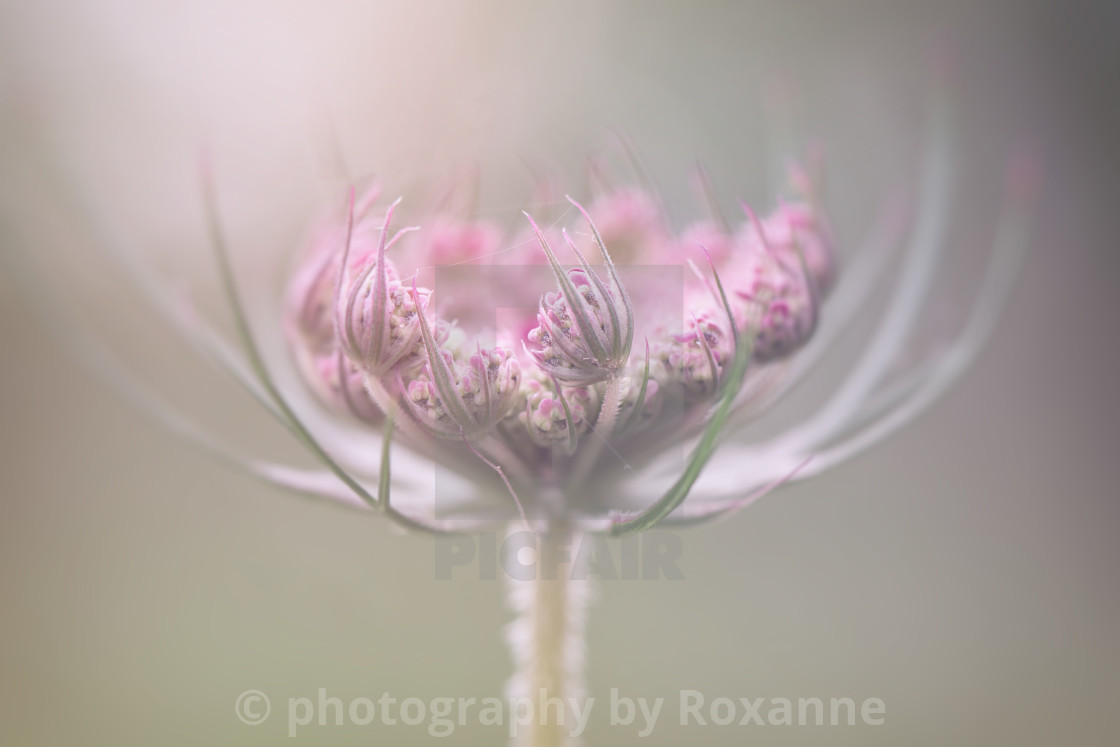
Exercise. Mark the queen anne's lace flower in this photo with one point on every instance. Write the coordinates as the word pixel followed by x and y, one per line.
pixel 578 409
pixel 573 405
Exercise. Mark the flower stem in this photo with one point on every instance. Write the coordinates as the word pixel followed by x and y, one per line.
pixel 604 425
pixel 547 641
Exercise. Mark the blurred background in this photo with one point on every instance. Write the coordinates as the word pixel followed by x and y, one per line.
pixel 965 572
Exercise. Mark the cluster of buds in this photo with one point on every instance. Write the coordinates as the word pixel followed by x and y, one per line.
pixel 310 324
pixel 642 400
pixel 586 328
pixel 796 232
pixel 339 382
pixel 449 240
pixel 554 415
pixel 691 362
pixel 631 222
pixel 776 285
pixel 452 398
pixel 377 316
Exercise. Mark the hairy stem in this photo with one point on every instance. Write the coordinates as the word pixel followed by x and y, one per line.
pixel 598 438
pixel 547 641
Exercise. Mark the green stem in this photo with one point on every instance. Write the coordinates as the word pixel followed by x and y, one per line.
pixel 547 641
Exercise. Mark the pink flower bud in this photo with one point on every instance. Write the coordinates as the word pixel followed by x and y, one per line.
pixel 544 417
pixel 451 398
pixel 377 316
pixel 788 304
pixel 449 241
pixel 585 329
pixel 632 223
pixel 797 233
pixel 690 363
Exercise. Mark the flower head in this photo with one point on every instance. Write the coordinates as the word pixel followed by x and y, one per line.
pixel 584 390
pixel 555 406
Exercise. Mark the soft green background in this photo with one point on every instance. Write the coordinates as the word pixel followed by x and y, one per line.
pixel 965 572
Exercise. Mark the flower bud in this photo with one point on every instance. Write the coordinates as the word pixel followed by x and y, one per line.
pixel 778 278
pixel 309 319
pixel 545 417
pixel 650 402
pixel 376 315
pixel 632 222
pixel 448 241
pixel 585 329
pixel 718 242
pixel 796 232
pixel 337 381
pixel 455 399
pixel 789 305
pixel 691 362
